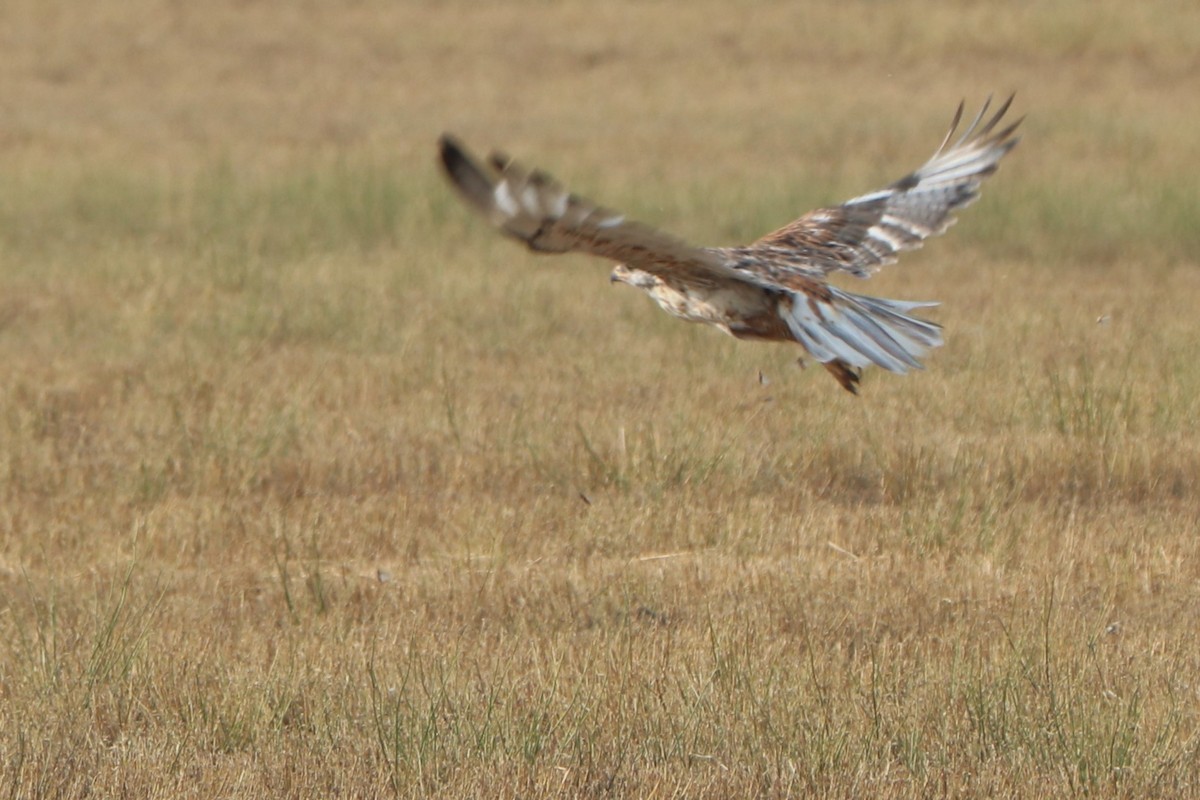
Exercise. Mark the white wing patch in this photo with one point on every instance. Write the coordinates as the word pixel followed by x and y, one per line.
pixel 611 222
pixel 505 201
pixel 560 205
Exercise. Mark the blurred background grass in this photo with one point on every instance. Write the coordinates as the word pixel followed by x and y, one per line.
pixel 311 484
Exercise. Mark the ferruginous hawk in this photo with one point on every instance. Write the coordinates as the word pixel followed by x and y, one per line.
pixel 777 288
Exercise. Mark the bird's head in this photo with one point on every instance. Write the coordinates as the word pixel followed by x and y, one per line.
pixel 634 277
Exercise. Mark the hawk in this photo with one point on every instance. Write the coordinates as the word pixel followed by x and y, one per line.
pixel 777 288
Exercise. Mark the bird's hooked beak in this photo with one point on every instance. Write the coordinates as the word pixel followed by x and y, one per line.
pixel 623 273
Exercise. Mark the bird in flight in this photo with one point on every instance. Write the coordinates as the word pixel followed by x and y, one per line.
pixel 777 288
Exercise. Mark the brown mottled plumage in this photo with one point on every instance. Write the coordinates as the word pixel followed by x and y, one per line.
pixel 775 289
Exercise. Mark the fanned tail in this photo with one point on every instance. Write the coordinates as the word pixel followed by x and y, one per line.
pixel 846 332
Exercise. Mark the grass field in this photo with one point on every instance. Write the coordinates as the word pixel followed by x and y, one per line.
pixel 312 486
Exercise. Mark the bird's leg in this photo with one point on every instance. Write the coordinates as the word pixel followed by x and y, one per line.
pixel 845 374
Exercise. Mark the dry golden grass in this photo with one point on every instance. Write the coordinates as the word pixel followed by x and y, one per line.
pixel 312 486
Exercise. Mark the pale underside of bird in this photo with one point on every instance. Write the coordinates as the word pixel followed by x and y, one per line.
pixel 777 288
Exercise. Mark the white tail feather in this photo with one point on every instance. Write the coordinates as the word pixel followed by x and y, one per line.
pixel 861 330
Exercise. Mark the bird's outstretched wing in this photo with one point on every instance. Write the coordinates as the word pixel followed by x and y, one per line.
pixel 531 206
pixel 868 232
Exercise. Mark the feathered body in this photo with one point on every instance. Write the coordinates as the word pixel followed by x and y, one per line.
pixel 777 288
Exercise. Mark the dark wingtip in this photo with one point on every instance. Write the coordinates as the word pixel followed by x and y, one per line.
pixel 450 153
pixel 909 181
pixel 469 178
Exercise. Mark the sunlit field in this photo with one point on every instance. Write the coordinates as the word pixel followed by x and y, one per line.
pixel 313 486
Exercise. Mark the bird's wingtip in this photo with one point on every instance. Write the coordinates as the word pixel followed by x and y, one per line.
pixel 450 149
pixel 471 180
